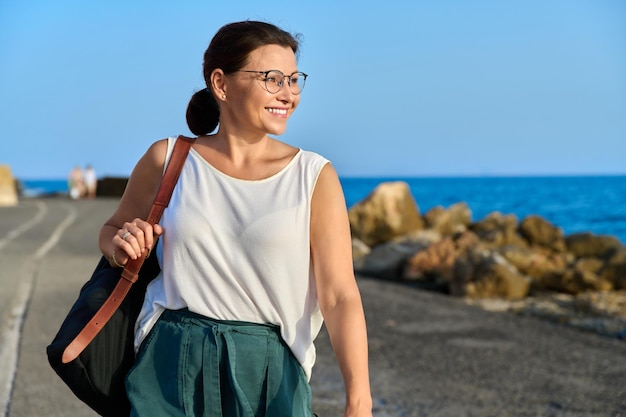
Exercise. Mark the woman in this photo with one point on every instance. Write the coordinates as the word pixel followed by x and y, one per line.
pixel 91 182
pixel 75 183
pixel 255 250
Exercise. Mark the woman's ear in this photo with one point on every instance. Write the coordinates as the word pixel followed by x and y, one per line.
pixel 218 84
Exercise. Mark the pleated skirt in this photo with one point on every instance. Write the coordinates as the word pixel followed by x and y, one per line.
pixel 190 365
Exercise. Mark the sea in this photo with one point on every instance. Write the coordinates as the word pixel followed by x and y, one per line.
pixel 595 204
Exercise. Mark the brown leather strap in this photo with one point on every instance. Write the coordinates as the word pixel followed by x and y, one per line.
pixel 130 274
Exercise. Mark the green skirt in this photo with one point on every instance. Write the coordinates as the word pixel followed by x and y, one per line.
pixel 190 365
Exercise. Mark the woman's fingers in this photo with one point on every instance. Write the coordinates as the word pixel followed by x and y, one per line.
pixel 124 241
pixel 136 237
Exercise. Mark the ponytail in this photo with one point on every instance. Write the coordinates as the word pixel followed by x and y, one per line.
pixel 203 114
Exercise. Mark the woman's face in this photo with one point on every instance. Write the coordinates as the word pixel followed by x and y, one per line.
pixel 250 107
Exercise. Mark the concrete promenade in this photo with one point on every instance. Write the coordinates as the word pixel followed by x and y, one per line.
pixel 431 355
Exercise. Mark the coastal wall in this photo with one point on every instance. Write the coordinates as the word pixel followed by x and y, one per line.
pixel 111 186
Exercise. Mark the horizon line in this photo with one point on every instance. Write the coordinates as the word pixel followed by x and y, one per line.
pixel 396 176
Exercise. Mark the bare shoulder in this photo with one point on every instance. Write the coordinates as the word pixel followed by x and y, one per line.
pixel 155 155
pixel 149 169
pixel 143 182
pixel 328 193
pixel 328 177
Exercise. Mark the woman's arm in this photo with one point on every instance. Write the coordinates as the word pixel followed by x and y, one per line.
pixel 133 208
pixel 338 294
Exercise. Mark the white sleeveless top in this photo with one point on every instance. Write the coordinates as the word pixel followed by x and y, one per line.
pixel 234 249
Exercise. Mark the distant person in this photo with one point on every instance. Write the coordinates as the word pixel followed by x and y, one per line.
pixel 76 183
pixel 255 250
pixel 91 181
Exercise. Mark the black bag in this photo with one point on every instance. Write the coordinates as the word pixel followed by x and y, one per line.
pixel 97 376
pixel 94 348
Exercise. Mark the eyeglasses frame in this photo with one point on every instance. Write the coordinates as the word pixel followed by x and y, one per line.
pixel 282 82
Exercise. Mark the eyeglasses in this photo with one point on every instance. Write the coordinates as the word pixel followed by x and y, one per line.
pixel 275 79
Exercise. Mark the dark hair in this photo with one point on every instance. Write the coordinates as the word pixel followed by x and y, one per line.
pixel 229 50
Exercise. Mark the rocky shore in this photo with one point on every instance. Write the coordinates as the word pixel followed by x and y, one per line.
pixel 526 267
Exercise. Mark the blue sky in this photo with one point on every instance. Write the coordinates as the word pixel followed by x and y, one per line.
pixel 396 88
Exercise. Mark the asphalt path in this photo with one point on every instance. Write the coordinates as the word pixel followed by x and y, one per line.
pixel 430 355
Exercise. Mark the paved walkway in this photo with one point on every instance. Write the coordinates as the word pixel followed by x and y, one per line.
pixel 431 355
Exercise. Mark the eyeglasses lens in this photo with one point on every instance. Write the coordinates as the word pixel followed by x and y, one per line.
pixel 275 80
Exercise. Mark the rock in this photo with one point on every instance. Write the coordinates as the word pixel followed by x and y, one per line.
pixel 592 265
pixel 481 273
pixel 539 231
pixel 536 262
pixel 388 259
pixel 616 274
pixel 451 221
pixel 424 237
pixel 559 271
pixel 437 259
pixel 505 281
pixel 388 212
pixel 466 240
pixel 8 190
pixel 384 261
pixel 588 244
pixel 616 256
pixel 497 229
pixel 574 281
pixel 614 270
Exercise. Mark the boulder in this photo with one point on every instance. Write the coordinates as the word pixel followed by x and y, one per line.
pixel 593 265
pixel 384 261
pixel 483 273
pixel 449 221
pixel 388 259
pixel 437 261
pixel 617 255
pixel 502 281
pixel 536 262
pixel 8 189
pixel 574 281
pixel 538 231
pixel 466 240
pixel 497 229
pixel 588 244
pixel 614 270
pixel 615 274
pixel 388 212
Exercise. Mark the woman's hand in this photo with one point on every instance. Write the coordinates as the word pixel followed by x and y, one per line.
pixel 363 411
pixel 132 240
pixel 120 239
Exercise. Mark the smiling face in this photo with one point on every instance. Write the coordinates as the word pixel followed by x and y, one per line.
pixel 249 109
